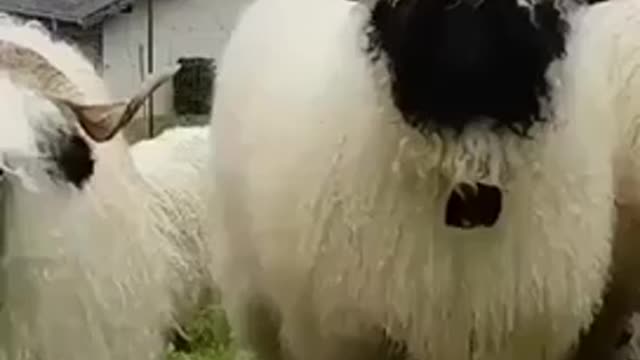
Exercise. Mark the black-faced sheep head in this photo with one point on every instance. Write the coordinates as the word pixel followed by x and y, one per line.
pixel 455 62
pixel 455 65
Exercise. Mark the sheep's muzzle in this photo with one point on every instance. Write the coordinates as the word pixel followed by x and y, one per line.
pixel 470 206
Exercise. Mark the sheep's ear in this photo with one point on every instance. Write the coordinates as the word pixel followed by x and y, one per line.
pixel 103 121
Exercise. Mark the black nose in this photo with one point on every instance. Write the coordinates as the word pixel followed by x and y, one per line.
pixel 468 208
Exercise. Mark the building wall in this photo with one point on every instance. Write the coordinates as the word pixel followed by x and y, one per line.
pixel 182 28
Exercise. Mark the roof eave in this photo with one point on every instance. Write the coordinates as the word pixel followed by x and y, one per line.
pixel 34 14
pixel 102 14
pixel 86 21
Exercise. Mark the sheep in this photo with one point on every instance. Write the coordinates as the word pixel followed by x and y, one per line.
pixel 612 28
pixel 172 165
pixel 420 179
pixel 85 272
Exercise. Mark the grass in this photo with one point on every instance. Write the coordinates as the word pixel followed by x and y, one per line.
pixel 210 339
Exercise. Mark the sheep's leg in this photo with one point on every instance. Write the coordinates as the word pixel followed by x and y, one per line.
pixel 366 347
pixel 608 332
pixel 306 341
pixel 257 326
pixel 264 330
pixel 272 333
pixel 309 344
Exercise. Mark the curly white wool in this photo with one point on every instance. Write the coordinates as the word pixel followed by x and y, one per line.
pixel 172 164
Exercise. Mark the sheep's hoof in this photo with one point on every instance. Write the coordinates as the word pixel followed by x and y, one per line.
pixel 469 207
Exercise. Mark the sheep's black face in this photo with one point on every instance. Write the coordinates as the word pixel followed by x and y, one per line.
pixel 40 141
pixel 454 62
pixel 70 155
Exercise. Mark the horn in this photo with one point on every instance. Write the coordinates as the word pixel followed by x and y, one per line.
pixel 103 121
pixel 32 70
pixel 100 121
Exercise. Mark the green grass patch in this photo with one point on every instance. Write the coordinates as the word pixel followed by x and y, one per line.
pixel 210 338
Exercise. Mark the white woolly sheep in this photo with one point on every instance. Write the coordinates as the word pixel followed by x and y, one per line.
pixel 84 270
pixel 344 134
pixel 173 164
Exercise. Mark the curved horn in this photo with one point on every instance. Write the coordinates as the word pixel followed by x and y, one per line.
pixel 103 121
pixel 100 121
pixel 32 70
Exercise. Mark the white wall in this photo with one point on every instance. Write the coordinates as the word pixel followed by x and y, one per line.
pixel 182 28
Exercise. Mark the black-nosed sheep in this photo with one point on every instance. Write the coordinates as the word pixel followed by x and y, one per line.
pixel 436 174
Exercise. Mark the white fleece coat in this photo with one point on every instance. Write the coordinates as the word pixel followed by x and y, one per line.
pixel 84 271
pixel 330 209
pixel 173 165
